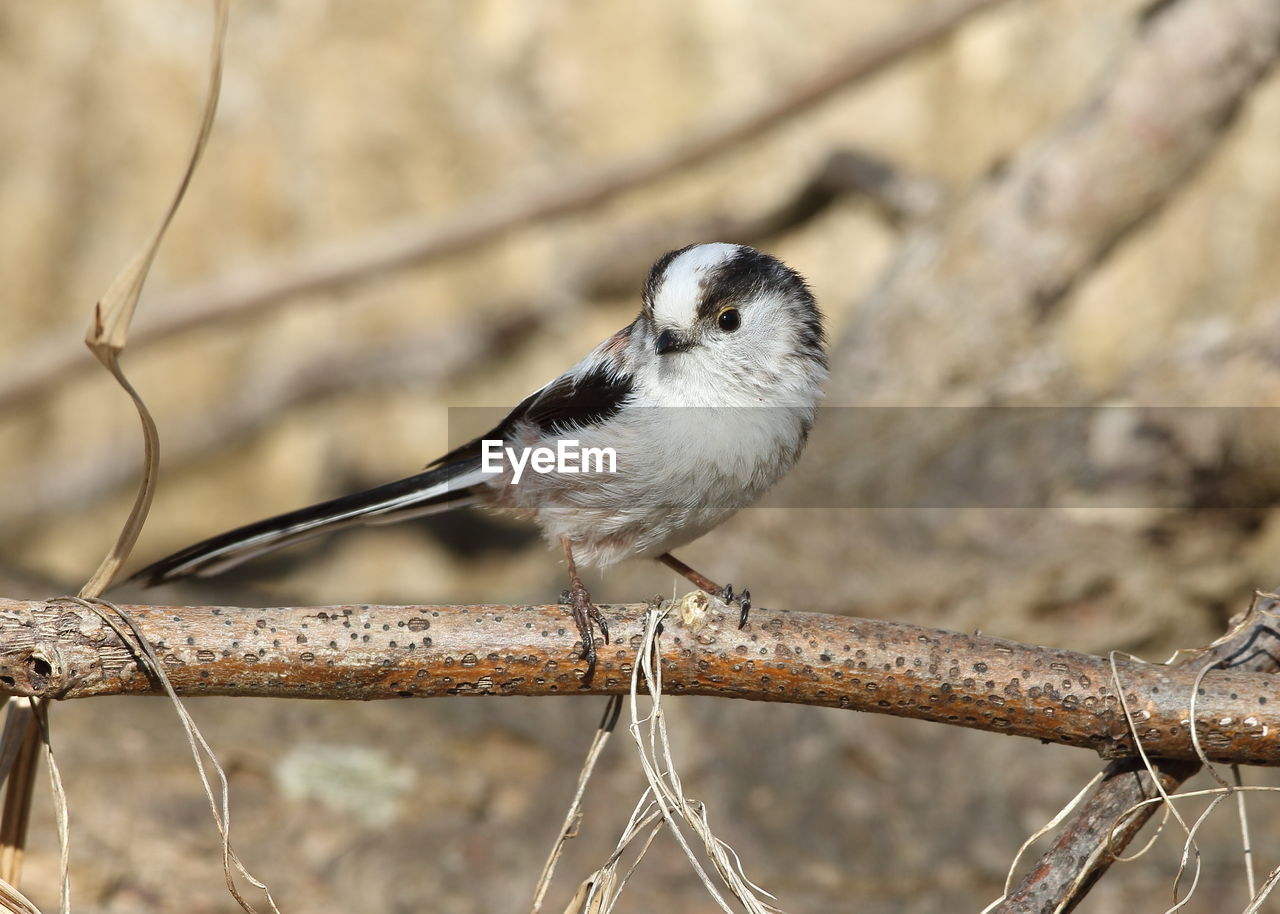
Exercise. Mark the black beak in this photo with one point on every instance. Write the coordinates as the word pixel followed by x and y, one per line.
pixel 670 341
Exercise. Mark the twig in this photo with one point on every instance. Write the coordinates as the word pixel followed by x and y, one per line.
pixel 1190 849
pixel 15 901
pixel 1246 843
pixel 1255 903
pixel 50 649
pixel 255 290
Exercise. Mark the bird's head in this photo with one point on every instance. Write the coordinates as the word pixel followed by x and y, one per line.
pixel 726 314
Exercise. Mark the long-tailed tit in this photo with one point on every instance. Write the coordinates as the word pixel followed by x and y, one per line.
pixel 705 400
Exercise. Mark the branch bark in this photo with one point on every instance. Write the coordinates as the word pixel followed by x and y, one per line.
pixel 59 649
pixel 1089 840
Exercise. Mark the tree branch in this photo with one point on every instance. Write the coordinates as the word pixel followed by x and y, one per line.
pixel 1086 845
pixel 60 649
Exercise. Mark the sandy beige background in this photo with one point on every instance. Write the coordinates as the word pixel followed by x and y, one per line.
pixel 339 118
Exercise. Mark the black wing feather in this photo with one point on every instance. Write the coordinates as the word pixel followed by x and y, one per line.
pixel 569 402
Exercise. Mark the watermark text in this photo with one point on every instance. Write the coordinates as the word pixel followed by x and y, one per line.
pixel 568 456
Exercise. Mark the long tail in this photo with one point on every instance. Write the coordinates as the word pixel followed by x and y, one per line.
pixel 439 489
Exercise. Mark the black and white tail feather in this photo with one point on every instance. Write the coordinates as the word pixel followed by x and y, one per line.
pixel 723 328
pixel 440 489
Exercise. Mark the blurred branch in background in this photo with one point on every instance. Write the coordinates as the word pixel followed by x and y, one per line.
pixel 486 333
pixel 256 290
pixel 987 278
pixel 902 199
pixel 58 649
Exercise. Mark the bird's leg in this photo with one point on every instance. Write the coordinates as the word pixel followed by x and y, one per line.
pixel 584 612
pixel 702 582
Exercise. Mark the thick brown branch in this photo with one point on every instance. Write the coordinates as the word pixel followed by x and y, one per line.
pixel 60 649
pixel 1086 845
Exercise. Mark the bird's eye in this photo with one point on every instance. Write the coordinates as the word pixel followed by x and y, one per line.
pixel 729 320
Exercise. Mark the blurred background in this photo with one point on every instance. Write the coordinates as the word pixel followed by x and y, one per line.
pixel 1113 277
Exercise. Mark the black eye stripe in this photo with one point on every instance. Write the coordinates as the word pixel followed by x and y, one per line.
pixel 745 274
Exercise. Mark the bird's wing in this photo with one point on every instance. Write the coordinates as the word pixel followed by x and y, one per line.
pixel 585 395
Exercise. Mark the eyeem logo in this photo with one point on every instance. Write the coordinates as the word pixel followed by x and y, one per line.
pixel 566 457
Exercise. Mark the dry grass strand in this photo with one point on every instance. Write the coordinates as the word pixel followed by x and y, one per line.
pixel 573 816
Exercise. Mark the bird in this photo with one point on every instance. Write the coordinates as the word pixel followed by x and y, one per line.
pixel 700 405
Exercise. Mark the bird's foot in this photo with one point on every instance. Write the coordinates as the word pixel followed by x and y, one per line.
pixel 584 613
pixel 742 599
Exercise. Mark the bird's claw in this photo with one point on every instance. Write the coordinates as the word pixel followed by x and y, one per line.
pixel 743 600
pixel 584 613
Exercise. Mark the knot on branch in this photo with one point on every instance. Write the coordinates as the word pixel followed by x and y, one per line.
pixel 50 648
